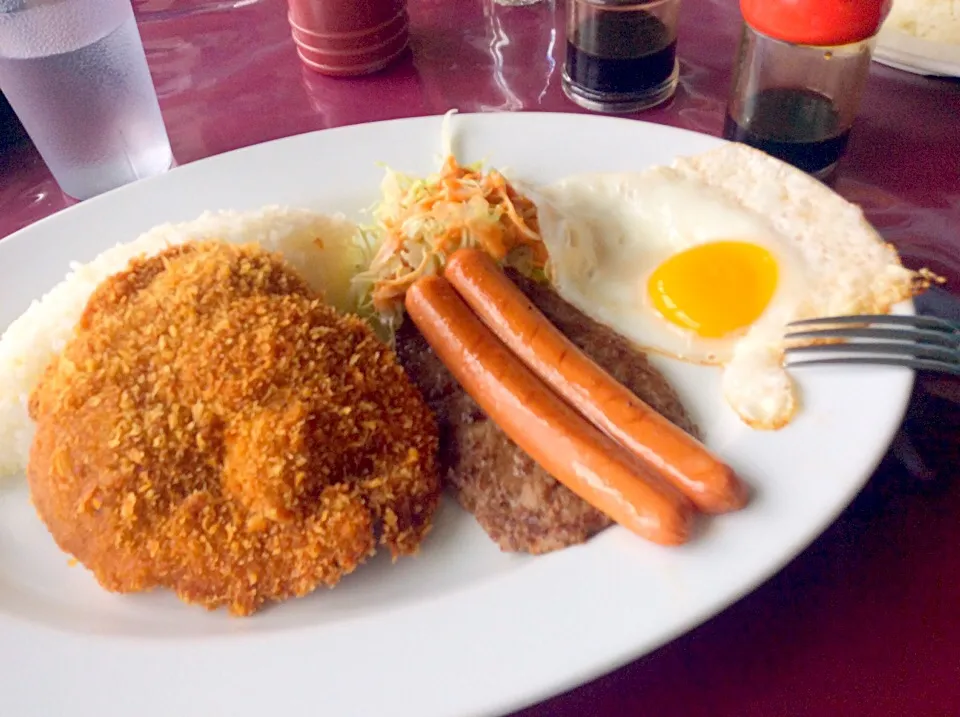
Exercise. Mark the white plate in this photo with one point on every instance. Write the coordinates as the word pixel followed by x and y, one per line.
pixel 912 54
pixel 463 629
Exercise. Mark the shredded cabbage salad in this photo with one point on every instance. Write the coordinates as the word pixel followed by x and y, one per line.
pixel 420 221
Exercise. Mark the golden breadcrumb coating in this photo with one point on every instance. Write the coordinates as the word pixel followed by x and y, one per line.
pixel 213 427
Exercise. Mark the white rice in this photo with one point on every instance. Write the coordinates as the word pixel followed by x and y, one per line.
pixel 933 20
pixel 29 343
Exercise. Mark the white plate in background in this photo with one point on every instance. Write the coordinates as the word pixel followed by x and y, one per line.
pixel 905 52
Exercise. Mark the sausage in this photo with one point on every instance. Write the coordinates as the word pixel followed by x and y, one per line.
pixel 554 435
pixel 705 479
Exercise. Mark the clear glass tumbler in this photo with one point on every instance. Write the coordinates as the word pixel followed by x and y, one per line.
pixel 75 73
pixel 797 102
pixel 621 54
pixel 521 38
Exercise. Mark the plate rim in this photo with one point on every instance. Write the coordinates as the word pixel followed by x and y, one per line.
pixel 614 661
pixel 903 51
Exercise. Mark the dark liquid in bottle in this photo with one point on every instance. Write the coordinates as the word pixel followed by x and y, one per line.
pixel 799 126
pixel 11 131
pixel 621 52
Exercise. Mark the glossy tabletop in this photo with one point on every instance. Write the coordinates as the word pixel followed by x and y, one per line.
pixel 866 621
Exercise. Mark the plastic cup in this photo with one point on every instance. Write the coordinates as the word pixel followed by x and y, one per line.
pixel 348 37
pixel 75 73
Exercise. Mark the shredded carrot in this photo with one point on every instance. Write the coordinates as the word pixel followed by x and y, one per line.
pixel 463 207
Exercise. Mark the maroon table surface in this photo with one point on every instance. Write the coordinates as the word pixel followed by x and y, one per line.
pixel 867 620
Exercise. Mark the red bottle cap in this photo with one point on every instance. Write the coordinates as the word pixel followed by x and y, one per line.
pixel 816 22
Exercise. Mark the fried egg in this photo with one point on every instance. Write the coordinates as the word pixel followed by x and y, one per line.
pixel 708 260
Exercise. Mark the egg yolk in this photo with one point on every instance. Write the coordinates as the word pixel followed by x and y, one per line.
pixel 714 289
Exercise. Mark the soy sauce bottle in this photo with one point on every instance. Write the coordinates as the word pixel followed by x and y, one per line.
pixel 799 77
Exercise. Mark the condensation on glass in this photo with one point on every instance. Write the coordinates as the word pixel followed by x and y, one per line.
pixel 75 73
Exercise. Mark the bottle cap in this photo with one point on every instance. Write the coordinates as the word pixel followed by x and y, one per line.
pixel 816 22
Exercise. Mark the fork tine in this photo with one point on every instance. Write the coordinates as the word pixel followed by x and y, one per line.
pixel 924 343
pixel 920 322
pixel 918 335
pixel 891 348
pixel 902 361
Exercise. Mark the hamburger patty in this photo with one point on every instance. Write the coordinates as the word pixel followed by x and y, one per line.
pixel 521 506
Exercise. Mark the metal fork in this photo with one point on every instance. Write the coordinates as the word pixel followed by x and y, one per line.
pixel 924 343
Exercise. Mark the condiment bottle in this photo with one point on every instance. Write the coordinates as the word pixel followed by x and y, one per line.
pixel 621 54
pixel 799 77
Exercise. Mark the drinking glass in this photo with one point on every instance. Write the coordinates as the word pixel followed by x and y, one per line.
pixel 521 36
pixel 75 73
pixel 621 54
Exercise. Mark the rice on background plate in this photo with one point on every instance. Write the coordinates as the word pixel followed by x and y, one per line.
pixel 932 20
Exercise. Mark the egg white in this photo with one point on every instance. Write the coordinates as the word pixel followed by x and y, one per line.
pixel 606 233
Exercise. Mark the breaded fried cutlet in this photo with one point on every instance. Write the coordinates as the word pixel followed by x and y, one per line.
pixel 214 428
pixel 521 506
